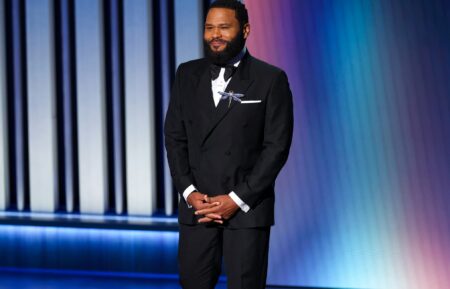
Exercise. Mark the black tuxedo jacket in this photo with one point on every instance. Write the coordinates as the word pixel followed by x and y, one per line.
pixel 234 146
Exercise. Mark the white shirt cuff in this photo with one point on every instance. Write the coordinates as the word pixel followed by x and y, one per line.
pixel 187 192
pixel 244 207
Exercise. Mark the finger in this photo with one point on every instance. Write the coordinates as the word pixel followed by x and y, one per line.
pixel 218 221
pixel 206 198
pixel 210 205
pixel 202 206
pixel 205 220
pixel 214 216
pixel 213 210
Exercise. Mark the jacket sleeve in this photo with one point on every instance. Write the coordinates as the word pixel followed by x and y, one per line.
pixel 278 127
pixel 175 137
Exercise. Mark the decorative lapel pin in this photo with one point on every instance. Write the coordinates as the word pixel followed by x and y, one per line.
pixel 231 96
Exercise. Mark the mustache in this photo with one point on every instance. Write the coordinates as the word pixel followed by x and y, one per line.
pixel 218 40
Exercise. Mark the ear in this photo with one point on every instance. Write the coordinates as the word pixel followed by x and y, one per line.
pixel 246 30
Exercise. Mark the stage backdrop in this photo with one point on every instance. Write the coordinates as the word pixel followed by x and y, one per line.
pixel 364 200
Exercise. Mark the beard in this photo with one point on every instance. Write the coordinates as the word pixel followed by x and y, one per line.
pixel 231 50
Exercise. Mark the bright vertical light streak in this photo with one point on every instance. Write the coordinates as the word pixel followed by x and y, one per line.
pixel 41 106
pixel 188 30
pixel 139 108
pixel 91 116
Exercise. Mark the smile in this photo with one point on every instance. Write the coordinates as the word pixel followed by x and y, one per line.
pixel 217 43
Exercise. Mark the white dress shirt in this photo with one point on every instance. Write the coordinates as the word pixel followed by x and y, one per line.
pixel 219 84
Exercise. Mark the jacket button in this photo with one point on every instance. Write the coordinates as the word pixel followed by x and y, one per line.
pixel 227 153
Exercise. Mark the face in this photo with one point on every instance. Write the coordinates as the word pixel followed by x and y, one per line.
pixel 223 36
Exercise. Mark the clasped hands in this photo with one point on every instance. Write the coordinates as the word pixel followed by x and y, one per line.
pixel 212 209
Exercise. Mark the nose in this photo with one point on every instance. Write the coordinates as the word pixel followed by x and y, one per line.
pixel 216 33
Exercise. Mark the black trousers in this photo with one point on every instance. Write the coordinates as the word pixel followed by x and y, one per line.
pixel 244 251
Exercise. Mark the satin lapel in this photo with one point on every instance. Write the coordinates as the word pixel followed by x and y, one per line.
pixel 239 83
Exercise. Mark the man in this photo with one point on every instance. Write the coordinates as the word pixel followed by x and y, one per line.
pixel 228 130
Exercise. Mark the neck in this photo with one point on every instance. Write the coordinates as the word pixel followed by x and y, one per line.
pixel 238 57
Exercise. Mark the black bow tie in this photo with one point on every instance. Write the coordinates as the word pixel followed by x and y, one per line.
pixel 215 71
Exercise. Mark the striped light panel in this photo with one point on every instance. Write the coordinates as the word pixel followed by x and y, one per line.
pixel 83 89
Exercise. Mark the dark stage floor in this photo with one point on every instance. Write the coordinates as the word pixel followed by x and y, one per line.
pixel 22 280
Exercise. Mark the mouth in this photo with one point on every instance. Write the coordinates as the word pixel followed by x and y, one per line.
pixel 216 44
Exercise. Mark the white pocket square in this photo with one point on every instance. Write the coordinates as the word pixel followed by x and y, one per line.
pixel 250 101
